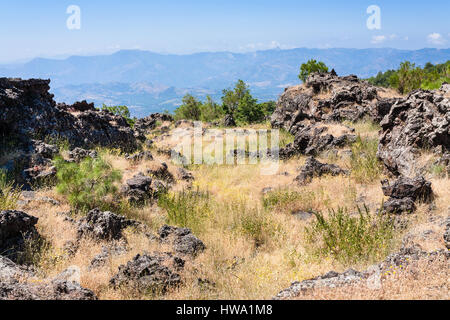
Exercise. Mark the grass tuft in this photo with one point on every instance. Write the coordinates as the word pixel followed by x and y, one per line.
pixel 366 168
pixel 188 209
pixel 9 195
pixel 351 238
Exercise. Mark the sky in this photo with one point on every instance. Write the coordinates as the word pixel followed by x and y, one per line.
pixel 31 29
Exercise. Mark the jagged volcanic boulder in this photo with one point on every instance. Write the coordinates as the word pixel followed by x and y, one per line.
pixel 326 97
pixel 145 125
pixel 331 279
pixel 313 139
pixel 156 272
pixel 27 110
pixel 404 192
pixel 15 227
pixel 162 172
pixel 103 225
pixel 35 163
pixel 370 278
pixel 138 189
pixel 113 249
pixel 399 206
pixel 314 168
pixel 415 188
pixel 185 175
pixel 18 283
pixel 79 106
pixel 78 154
pixel 419 121
pixel 143 155
pixel 184 242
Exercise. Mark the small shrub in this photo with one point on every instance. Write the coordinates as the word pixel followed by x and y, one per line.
pixel 349 238
pixel 187 209
pixel 257 225
pixel 87 184
pixel 366 167
pixel 438 170
pixel 9 195
pixel 310 67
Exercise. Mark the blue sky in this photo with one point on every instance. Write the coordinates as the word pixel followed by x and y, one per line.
pixel 38 28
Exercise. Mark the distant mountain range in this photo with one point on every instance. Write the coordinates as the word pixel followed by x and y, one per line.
pixel 149 82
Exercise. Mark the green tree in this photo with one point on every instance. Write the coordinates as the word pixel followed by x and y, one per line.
pixel 382 78
pixel 210 110
pixel 191 109
pixel 232 97
pixel 310 67
pixel 248 110
pixel 120 111
pixel 268 107
pixel 407 78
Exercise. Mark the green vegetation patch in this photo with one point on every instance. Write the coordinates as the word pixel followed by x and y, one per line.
pixel 351 238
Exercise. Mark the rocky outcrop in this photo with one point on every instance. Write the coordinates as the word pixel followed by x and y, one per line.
pixel 143 155
pixel 313 139
pixel 15 227
pixel 103 225
pixel 314 168
pixel 109 251
pixel 398 206
pixel 36 162
pixel 370 278
pixel 184 175
pixel 155 272
pixel 79 154
pixel 182 239
pixel 419 121
pixel 415 188
pixel 162 172
pixel 29 115
pixel 327 97
pixel 404 192
pixel 18 283
pixel 147 124
pixel 138 189
pixel 331 279
pixel 27 110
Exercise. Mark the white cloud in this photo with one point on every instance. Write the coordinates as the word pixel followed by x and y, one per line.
pixel 436 38
pixel 385 38
pixel 274 45
pixel 378 39
pixel 393 36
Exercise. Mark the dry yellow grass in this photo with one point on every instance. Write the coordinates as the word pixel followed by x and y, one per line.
pixel 234 265
pixel 387 93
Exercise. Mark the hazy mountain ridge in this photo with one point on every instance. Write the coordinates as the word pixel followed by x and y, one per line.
pixel 154 82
